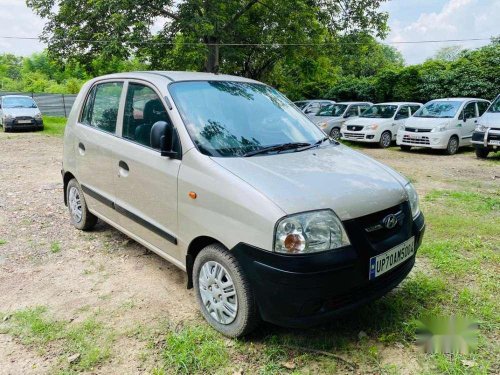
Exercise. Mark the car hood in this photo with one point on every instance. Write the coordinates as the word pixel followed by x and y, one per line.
pixel 331 176
pixel 21 111
pixel 490 119
pixel 426 122
pixel 319 119
pixel 367 121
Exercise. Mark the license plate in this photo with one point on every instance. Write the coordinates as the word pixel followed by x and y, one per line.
pixel 494 142
pixel 24 121
pixel 382 263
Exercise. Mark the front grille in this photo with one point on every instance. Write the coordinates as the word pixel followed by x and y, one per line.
pixel 416 141
pixel 377 241
pixel 417 130
pixel 355 128
pixel 493 137
pixel 24 118
pixel 354 135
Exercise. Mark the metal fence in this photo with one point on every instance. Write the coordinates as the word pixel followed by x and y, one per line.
pixel 49 104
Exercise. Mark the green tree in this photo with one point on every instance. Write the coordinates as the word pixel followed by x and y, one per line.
pixel 200 30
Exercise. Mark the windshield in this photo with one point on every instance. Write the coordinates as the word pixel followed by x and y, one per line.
pixel 380 111
pixel 233 118
pixel 18 102
pixel 334 110
pixel 439 109
pixel 495 106
pixel 301 105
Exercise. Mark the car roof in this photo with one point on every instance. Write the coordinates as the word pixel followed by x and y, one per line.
pixel 398 103
pixel 314 100
pixel 354 103
pixel 16 96
pixel 176 76
pixel 458 99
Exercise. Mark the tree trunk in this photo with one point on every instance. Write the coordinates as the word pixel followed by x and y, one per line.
pixel 212 62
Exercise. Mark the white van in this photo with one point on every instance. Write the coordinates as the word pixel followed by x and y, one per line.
pixel 379 123
pixel 445 124
pixel 225 178
pixel 311 107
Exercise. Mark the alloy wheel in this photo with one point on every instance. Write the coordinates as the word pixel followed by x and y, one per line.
pixel 218 292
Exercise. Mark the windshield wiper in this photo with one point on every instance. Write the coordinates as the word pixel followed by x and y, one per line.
pixel 316 144
pixel 280 147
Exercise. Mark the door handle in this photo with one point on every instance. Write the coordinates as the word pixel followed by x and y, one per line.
pixel 123 165
pixel 81 148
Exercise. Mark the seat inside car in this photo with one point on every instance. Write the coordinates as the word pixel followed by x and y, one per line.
pixel 153 112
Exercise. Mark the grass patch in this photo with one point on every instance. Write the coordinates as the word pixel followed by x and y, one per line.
pixel 89 338
pixel 54 125
pixel 55 247
pixel 194 349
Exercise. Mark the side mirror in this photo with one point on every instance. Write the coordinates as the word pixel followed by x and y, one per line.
pixel 162 138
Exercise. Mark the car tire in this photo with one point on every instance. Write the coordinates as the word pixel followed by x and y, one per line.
pixel 80 216
pixel 482 153
pixel 405 148
pixel 452 146
pixel 335 133
pixel 242 316
pixel 385 139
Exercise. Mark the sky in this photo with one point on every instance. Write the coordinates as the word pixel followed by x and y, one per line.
pixel 409 20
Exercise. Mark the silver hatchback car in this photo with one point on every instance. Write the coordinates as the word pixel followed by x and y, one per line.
pixel 19 112
pixel 225 178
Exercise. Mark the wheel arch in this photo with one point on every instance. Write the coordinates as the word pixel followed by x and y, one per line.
pixel 194 248
pixel 67 177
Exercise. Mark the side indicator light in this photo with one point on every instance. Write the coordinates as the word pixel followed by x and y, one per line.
pixel 192 195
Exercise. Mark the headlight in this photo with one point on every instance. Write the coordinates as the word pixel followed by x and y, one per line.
pixel 437 129
pixel 402 128
pixel 309 232
pixel 413 199
pixel 7 116
pixel 481 128
pixel 38 116
pixel 372 127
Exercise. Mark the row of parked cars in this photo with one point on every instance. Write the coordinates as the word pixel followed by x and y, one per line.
pixel 445 124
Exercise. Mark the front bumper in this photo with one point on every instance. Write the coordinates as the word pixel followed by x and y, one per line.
pixel 489 139
pixel 16 123
pixel 366 136
pixel 305 290
pixel 437 140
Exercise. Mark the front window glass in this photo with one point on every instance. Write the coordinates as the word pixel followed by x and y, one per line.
pixel 143 108
pixel 228 119
pixel 18 102
pixel 380 111
pixel 495 106
pixel 470 111
pixel 439 109
pixel 334 110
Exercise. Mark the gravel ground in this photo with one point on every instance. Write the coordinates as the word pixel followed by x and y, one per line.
pixel 45 261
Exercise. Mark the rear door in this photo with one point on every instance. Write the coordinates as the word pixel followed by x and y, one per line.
pixel 95 135
pixel 146 182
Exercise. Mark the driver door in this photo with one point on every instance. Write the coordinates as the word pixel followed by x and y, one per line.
pixel 399 119
pixel 469 118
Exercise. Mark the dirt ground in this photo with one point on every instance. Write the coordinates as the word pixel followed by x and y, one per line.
pixel 104 270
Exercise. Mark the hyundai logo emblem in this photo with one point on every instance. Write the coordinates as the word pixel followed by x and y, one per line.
pixel 390 221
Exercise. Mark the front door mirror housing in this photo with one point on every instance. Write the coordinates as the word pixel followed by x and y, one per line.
pixel 163 137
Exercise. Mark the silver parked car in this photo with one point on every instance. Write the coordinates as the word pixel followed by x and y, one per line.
pixel 311 107
pixel 331 117
pixel 19 112
pixel 225 178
